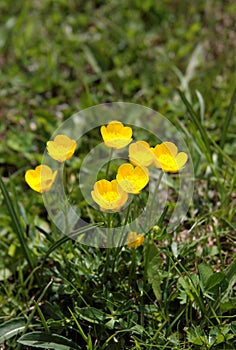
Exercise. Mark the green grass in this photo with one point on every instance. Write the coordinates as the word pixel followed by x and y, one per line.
pixel 176 291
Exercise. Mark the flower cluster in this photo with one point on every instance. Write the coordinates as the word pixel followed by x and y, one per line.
pixel 131 177
pixel 134 176
pixel 42 178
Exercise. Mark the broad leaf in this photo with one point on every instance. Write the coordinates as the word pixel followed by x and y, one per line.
pixel 91 314
pixel 214 280
pixel 10 328
pixel 48 340
pixel 205 272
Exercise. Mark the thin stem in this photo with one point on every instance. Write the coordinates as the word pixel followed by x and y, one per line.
pixel 132 267
pixel 108 163
pixel 150 208
pixel 62 178
pixel 107 263
pixel 123 238
pixel 135 207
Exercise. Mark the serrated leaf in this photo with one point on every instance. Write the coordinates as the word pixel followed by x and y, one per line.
pixel 10 328
pixel 196 336
pixel 48 340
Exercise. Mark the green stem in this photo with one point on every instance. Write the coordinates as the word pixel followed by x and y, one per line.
pixel 123 239
pixel 146 260
pixel 107 263
pixel 132 267
pixel 146 255
pixel 62 178
pixel 108 163
pixel 150 208
pixel 41 315
pixel 135 207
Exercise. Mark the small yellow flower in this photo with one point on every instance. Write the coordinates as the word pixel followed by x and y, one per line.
pixel 134 240
pixel 116 135
pixel 109 195
pixel 41 179
pixel 62 148
pixel 140 153
pixel 132 179
pixel 167 157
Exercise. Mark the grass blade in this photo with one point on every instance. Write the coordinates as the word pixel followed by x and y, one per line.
pixel 196 120
pixel 16 224
pixel 67 238
pixel 227 120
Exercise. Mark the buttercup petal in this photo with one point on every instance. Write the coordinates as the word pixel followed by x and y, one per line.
pixel 181 159
pixel 109 195
pixel 104 132
pixel 41 179
pixel 140 153
pixel 62 148
pixel 134 240
pixel 165 148
pixel 116 135
pixel 127 132
pixel 132 179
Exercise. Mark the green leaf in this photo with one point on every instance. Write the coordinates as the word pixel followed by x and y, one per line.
pixel 110 324
pixel 153 267
pixel 74 235
pixel 197 121
pixel 231 272
pixel 233 327
pixel 47 340
pixel 17 224
pixel 196 336
pixel 10 328
pixel 137 329
pixel 219 335
pixel 227 120
pixel 205 272
pixel 91 314
pixel 214 280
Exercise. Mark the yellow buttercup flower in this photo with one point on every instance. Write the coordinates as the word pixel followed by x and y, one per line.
pixel 140 153
pixel 41 179
pixel 62 148
pixel 167 157
pixel 132 179
pixel 116 135
pixel 109 195
pixel 134 240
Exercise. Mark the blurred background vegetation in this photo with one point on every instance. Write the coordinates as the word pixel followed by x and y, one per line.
pixel 59 57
